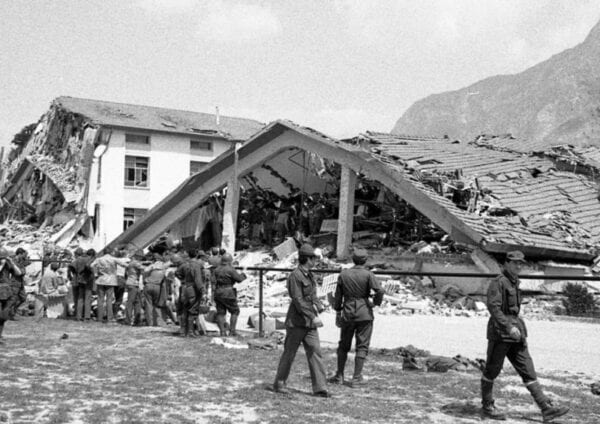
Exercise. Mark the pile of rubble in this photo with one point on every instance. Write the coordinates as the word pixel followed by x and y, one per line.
pixel 29 237
pixel 403 296
pixel 418 295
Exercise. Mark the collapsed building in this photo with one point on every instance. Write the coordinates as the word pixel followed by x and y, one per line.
pixel 91 168
pixel 483 198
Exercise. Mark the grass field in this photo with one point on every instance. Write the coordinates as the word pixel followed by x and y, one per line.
pixel 117 374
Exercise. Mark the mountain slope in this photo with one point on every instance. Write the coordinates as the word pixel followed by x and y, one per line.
pixel 557 101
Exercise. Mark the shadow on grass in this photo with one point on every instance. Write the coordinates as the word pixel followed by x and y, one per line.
pixel 462 410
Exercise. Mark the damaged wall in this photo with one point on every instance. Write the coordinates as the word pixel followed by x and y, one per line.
pixel 52 171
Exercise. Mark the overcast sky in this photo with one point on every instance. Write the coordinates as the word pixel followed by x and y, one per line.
pixel 341 67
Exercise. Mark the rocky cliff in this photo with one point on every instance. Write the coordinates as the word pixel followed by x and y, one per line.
pixel 557 101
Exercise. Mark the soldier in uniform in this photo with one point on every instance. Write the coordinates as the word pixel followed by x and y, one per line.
pixel 302 322
pixel 507 338
pixel 225 295
pixel 9 271
pixel 81 276
pixel 189 272
pixel 354 314
pixel 19 296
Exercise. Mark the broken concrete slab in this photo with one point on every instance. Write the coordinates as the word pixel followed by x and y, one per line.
pixel 286 248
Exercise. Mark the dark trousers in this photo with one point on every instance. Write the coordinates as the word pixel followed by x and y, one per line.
pixel 362 330
pixel 309 337
pixel 155 299
pixel 4 313
pixel 517 354
pixel 82 295
pixel 17 299
pixel 106 295
pixel 133 307
pixel 119 294
pixel 75 292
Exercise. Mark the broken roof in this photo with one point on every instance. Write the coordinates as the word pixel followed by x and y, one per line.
pixel 160 119
pixel 554 211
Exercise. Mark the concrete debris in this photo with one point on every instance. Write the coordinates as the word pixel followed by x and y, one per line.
pixel 46 178
pixel 403 296
pixel 596 388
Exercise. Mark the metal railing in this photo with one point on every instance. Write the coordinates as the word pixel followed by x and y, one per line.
pixel 261 271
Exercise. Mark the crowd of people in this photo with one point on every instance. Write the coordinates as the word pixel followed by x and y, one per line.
pixel 175 285
pixel 268 219
pixel 179 283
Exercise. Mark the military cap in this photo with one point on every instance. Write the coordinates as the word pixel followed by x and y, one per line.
pixel 360 254
pixel 3 253
pixel 515 255
pixel 176 259
pixel 201 254
pixel 306 250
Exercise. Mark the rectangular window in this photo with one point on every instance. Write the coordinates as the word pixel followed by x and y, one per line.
pixel 137 139
pixel 196 166
pixel 198 146
pixel 96 219
pixel 130 215
pixel 99 179
pixel 136 171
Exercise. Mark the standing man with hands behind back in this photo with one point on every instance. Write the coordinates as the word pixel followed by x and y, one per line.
pixel 507 338
pixel 301 324
pixel 354 314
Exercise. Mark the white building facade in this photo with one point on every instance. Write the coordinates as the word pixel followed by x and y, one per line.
pixel 137 170
pixel 143 153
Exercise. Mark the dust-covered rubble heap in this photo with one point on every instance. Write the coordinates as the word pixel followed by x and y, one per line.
pixel 404 296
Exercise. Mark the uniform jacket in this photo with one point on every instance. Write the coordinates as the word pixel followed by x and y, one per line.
pixel 226 275
pixel 305 305
pixel 190 274
pixel 7 281
pixel 80 271
pixel 352 293
pixel 504 304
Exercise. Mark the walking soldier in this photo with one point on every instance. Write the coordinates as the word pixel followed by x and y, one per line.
pixel 301 324
pixel 507 337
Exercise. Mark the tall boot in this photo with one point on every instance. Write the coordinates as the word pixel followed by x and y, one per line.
pixel 488 409
pixel 190 326
pixel 338 378
pixel 357 378
pixel 221 324
pixel 549 411
pixel 182 327
pixel 232 324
